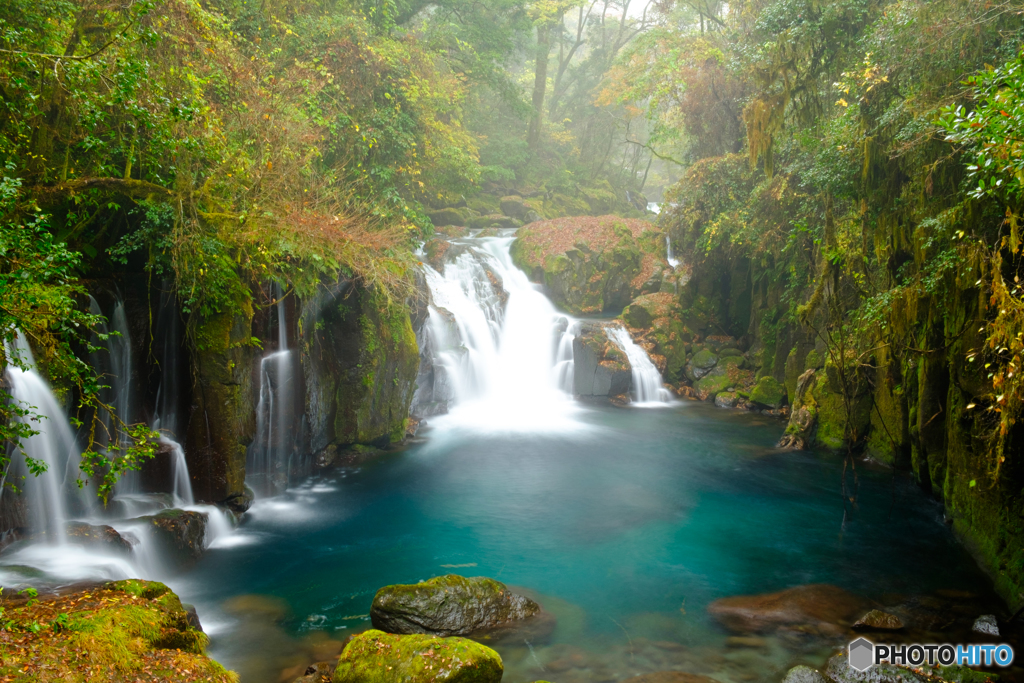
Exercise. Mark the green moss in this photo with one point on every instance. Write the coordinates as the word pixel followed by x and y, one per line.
pixel 813 360
pixel 712 384
pixel 378 657
pixel 768 392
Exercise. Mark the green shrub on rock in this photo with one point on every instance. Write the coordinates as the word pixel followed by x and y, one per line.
pixel 378 657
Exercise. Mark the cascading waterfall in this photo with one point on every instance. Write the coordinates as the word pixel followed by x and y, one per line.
pixel 647 386
pixel 269 461
pixel 668 248
pixel 498 341
pixel 54 445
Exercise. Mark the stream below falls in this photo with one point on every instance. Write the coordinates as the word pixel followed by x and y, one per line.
pixel 624 524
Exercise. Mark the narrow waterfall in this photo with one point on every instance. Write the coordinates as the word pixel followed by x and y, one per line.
pixel 165 417
pixel 53 446
pixel 647 386
pixel 668 248
pixel 113 364
pixel 270 455
pixel 498 341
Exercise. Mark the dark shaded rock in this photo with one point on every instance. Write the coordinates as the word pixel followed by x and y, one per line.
pixel 378 657
pixel 599 366
pixel 240 502
pixel 179 534
pixel 192 616
pixel 321 672
pixel 803 674
pixel 448 605
pixel 100 537
pixel 986 624
pixel 877 620
pixel 821 606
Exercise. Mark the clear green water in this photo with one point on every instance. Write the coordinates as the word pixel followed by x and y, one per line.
pixel 625 528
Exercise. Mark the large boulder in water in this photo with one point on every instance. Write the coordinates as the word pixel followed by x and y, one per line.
pixel 828 609
pixel 600 368
pixel 179 535
pixel 377 657
pixel 98 537
pixel 448 606
pixel 592 264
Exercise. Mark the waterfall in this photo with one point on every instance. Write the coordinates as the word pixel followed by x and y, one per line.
pixel 668 248
pixel 269 462
pixel 54 445
pixel 498 341
pixel 647 386
pixel 165 417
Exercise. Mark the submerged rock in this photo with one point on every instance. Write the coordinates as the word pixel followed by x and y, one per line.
pixel 819 606
pixel 378 657
pixel 448 605
pixel 803 674
pixel 877 620
pixel 839 671
pixel 986 624
pixel 321 672
pixel 670 677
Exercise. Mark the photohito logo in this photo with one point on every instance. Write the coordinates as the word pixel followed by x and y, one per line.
pixel 862 654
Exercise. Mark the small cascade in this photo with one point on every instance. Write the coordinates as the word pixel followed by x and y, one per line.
pixel 564 362
pixel 647 386
pixel 54 446
pixel 499 342
pixel 182 487
pixel 269 462
pixel 668 248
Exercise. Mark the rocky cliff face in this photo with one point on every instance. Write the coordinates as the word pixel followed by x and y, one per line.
pixel 360 360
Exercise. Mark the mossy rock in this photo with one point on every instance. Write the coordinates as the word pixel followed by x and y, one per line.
pixel 732 361
pixel 449 216
pixel 126 630
pixel 768 392
pixel 589 265
pixel 713 383
pixel 484 204
pixel 515 206
pixel 378 657
pixel 725 353
pixel 700 364
pixel 814 360
pixel 448 605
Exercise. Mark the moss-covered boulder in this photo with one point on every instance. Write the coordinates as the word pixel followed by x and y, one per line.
pixel 600 368
pixel 448 216
pixel 803 418
pixel 359 362
pixel 449 605
pixel 515 206
pixel 122 631
pixel 223 415
pixel 715 382
pixel 768 392
pixel 701 363
pixel 592 265
pixel 378 657
pixel 655 318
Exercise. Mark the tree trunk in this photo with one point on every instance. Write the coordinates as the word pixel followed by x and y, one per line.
pixel 540 83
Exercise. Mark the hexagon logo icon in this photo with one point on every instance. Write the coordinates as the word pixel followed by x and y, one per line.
pixel 861 654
